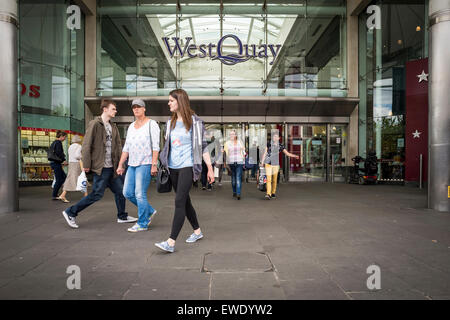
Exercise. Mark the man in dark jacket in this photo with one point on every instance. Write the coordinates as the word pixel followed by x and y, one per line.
pixel 57 160
pixel 101 152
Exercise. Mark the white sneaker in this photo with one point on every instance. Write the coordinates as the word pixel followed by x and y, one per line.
pixel 70 220
pixel 127 220
pixel 136 228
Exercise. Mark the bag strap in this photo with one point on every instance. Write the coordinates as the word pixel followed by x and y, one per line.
pixel 53 147
pixel 150 130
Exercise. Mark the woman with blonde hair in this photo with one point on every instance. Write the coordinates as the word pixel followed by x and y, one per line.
pixel 184 149
pixel 74 170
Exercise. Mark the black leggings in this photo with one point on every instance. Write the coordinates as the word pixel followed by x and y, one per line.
pixel 182 182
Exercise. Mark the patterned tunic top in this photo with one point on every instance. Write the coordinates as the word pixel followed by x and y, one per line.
pixel 137 143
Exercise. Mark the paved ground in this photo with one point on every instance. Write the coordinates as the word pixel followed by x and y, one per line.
pixel 315 241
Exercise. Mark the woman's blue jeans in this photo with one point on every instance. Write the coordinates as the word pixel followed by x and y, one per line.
pixel 236 177
pixel 137 181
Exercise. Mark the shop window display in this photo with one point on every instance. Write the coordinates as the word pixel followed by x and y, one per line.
pixel 34 144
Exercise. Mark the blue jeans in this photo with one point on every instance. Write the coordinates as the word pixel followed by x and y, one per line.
pixel 135 189
pixel 253 171
pixel 101 182
pixel 236 177
pixel 60 177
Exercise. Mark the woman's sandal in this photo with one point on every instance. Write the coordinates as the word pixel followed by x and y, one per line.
pixel 63 200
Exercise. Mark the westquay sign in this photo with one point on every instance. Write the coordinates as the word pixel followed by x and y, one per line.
pixel 245 52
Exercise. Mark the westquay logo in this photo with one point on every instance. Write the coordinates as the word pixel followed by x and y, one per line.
pixel 245 52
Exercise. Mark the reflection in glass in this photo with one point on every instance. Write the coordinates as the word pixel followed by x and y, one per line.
pixel 310 143
pixel 383 55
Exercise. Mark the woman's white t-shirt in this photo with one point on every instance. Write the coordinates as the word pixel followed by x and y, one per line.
pixel 137 143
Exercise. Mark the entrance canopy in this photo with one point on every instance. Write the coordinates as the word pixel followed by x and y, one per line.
pixel 240 109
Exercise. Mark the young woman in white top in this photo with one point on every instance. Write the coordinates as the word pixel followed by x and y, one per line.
pixel 235 157
pixel 142 163
pixel 74 168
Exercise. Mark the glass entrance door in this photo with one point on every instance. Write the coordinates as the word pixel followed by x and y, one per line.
pixel 338 152
pixel 259 135
pixel 310 143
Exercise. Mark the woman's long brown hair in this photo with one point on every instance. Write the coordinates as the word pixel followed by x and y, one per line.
pixel 184 107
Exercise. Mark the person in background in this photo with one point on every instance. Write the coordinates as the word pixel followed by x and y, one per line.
pixel 184 149
pixel 272 163
pixel 74 170
pixel 213 150
pixel 235 157
pixel 220 162
pixel 141 149
pixel 253 159
pixel 101 152
pixel 57 163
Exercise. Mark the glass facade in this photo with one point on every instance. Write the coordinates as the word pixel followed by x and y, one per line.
pixel 51 77
pixel 383 54
pixel 243 48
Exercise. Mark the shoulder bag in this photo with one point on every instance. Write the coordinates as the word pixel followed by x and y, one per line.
pixel 51 154
pixel 163 183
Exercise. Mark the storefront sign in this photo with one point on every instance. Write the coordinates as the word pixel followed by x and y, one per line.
pixel 245 52
pixel 33 90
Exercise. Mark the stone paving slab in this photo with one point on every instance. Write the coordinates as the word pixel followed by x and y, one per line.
pixel 313 289
pixel 246 286
pixel 236 262
pixel 319 237
pixel 175 283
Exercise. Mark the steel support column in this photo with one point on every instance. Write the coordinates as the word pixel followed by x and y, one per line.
pixel 439 106
pixel 8 107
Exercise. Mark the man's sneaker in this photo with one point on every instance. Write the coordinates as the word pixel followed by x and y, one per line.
pixel 70 220
pixel 136 228
pixel 165 246
pixel 194 237
pixel 273 195
pixel 238 197
pixel 267 197
pixel 127 220
pixel 151 217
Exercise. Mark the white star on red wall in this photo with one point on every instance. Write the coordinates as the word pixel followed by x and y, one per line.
pixel 416 134
pixel 422 76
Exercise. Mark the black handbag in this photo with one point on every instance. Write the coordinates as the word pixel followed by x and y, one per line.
pixel 163 183
pixel 51 154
